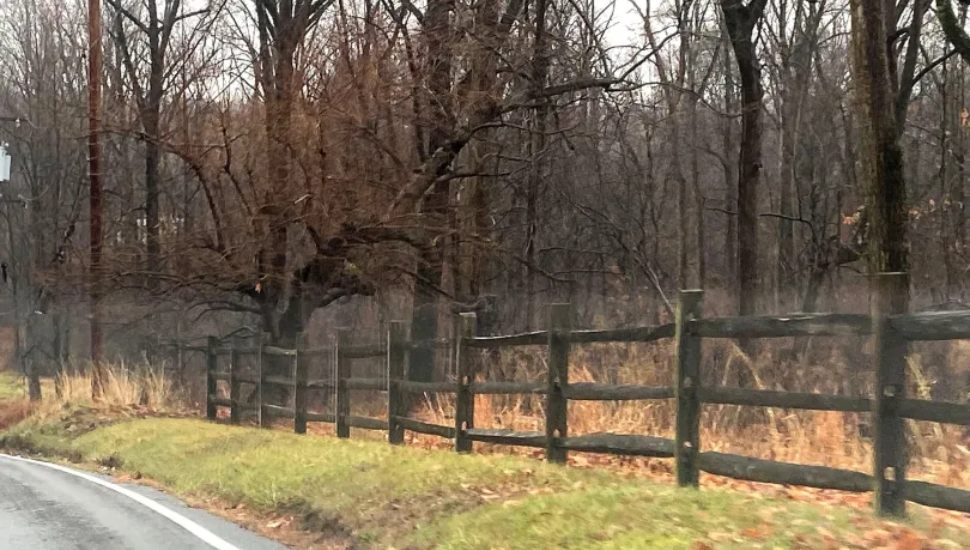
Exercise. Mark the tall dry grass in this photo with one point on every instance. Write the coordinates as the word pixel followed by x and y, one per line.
pixel 125 388
pixel 128 390
pixel 939 453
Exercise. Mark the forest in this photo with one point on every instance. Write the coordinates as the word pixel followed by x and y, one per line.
pixel 264 161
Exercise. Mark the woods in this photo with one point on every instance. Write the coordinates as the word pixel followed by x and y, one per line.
pixel 267 163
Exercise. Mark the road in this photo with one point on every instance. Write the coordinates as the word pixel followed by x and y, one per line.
pixel 50 507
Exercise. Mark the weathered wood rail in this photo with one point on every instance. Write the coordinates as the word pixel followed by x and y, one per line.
pixel 888 405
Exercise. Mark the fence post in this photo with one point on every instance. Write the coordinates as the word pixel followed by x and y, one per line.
pixel 464 400
pixel 687 440
pixel 234 386
pixel 560 319
pixel 211 364
pixel 260 380
pixel 890 455
pixel 340 384
pixel 300 386
pixel 396 352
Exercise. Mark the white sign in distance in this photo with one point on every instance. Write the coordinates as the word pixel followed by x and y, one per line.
pixel 4 163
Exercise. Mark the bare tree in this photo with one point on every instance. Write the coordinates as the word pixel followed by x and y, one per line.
pixel 144 38
pixel 741 19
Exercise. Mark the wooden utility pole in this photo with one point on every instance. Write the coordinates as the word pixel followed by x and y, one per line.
pixel 94 178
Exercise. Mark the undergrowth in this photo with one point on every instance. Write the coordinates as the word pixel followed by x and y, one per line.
pixel 939 453
pixel 68 405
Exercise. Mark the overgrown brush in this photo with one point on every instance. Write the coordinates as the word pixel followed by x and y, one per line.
pixel 126 389
pixel 122 385
pixel 68 406
pixel 939 453
pixel 12 412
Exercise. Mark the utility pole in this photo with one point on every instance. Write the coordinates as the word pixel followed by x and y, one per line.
pixel 94 177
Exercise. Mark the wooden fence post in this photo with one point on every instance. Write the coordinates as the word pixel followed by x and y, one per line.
pixel 211 364
pixel 260 380
pixel 234 387
pixel 302 377
pixel 890 455
pixel 396 353
pixel 464 400
pixel 687 439
pixel 560 320
pixel 340 384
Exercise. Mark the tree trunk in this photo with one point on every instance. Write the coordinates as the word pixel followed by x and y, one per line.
pixel 880 154
pixel 740 21
pixel 729 174
pixel 434 209
pixel 151 122
pixel 749 176
pixel 786 235
pixel 695 169
pixel 540 71
pixel 152 222
pixel 275 206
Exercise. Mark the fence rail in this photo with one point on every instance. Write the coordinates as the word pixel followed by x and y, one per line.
pixel 889 405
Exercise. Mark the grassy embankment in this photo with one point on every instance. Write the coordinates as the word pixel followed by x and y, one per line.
pixel 368 493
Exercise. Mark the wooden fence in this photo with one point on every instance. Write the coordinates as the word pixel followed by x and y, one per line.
pixel 889 405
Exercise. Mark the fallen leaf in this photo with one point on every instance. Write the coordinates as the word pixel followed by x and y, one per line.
pixel 910 541
pixel 756 533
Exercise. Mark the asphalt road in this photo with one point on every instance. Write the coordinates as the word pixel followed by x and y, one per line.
pixel 49 507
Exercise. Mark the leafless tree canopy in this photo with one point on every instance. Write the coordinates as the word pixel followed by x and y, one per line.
pixel 273 158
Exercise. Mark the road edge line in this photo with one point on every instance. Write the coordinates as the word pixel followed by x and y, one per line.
pixel 178 519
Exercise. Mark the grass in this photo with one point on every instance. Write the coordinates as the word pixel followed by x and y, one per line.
pixel 14 406
pixel 363 492
pixel 631 517
pixel 11 386
pixel 122 385
pixel 127 392
pixel 377 495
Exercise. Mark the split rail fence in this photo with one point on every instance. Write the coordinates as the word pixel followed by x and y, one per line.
pixel 889 405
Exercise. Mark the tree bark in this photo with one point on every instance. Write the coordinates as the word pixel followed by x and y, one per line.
pixel 540 72
pixel 740 20
pixel 880 154
pixel 151 122
pixel 434 208
pixel 729 173
pixel 152 216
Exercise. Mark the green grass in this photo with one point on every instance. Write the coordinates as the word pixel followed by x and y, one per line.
pixel 637 516
pixel 408 497
pixel 11 386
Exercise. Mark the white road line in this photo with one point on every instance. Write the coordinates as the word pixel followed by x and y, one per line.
pixel 192 527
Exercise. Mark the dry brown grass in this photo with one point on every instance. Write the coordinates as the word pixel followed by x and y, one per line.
pixel 123 385
pixel 939 453
pixel 67 407
pixel 127 390
pixel 12 412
